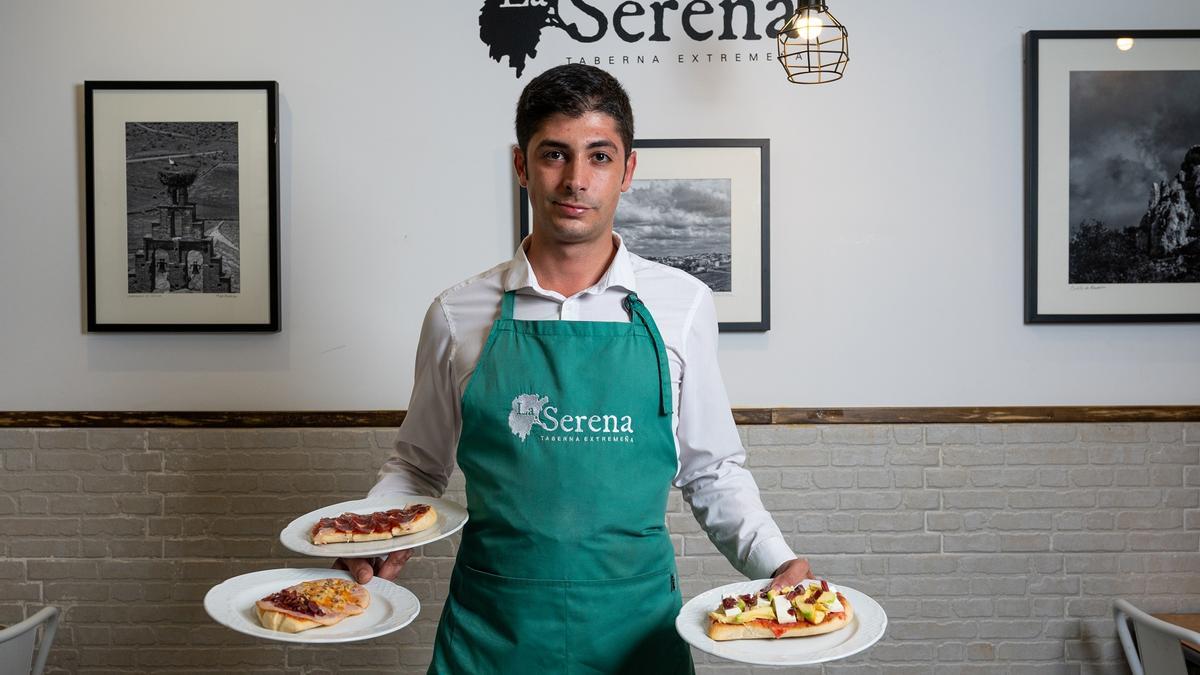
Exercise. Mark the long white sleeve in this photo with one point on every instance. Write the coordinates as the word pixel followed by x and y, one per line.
pixel 425 448
pixel 722 493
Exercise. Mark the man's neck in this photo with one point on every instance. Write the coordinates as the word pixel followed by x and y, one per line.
pixel 570 268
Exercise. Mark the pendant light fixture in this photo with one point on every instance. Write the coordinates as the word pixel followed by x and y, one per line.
pixel 814 47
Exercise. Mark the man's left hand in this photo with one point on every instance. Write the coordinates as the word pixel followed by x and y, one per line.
pixel 791 573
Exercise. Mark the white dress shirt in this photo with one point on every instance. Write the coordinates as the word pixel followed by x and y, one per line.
pixel 722 494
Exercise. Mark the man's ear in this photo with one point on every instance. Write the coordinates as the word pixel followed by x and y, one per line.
pixel 519 166
pixel 630 165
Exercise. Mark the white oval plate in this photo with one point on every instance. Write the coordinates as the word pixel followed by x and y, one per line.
pixel 231 603
pixel 296 536
pixel 864 630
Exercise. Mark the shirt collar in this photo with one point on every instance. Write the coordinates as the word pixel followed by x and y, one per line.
pixel 619 274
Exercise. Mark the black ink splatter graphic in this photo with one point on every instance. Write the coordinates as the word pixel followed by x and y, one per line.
pixel 514 30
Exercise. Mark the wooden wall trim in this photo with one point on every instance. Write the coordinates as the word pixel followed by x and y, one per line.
pixel 745 416
pixel 995 415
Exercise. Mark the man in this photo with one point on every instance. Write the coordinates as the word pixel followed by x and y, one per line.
pixel 573 385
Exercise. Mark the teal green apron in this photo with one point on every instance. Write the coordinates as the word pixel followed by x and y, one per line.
pixel 565 564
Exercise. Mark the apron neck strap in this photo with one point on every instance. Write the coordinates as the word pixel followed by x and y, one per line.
pixel 506 306
pixel 638 312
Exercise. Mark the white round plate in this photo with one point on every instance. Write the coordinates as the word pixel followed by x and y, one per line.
pixel 296 536
pixel 864 630
pixel 231 603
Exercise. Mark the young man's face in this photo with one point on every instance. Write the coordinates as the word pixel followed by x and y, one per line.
pixel 575 170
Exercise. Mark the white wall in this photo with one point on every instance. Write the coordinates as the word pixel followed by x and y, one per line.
pixel 897 282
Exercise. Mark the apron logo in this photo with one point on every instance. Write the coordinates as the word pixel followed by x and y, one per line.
pixel 532 410
pixel 526 412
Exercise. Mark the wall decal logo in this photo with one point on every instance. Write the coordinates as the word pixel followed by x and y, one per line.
pixel 514 28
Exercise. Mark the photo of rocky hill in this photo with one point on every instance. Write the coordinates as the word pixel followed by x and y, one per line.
pixel 1134 177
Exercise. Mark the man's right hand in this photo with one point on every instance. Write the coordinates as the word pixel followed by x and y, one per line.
pixel 362 569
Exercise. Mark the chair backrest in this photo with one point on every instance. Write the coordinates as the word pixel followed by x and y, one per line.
pixel 1158 651
pixel 17 643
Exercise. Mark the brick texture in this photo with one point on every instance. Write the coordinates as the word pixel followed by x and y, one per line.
pixel 993 548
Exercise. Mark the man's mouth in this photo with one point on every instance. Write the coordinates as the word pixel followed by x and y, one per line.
pixel 571 208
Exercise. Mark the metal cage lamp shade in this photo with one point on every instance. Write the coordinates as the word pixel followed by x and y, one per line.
pixel 814 46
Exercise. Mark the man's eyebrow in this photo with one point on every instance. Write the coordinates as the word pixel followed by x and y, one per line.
pixel 559 145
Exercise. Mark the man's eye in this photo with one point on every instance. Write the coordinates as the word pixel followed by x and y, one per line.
pixel 554 154
pixel 603 157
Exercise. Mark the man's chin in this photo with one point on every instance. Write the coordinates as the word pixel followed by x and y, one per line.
pixel 575 232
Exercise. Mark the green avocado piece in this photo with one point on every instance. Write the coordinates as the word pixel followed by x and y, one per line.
pixel 827 597
pixel 808 611
pixel 755 613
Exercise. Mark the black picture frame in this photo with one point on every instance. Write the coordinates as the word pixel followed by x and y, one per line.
pixel 225 136
pixel 1051 57
pixel 746 163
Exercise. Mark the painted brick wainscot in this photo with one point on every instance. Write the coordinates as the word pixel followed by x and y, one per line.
pixel 996 539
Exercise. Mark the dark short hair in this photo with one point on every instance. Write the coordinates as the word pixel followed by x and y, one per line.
pixel 574 90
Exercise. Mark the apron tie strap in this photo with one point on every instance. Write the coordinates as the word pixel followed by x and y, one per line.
pixel 506 305
pixel 638 311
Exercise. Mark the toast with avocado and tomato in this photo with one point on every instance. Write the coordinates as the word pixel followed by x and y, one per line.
pixel 814 607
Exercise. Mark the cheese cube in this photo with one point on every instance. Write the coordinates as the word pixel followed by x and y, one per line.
pixel 817 582
pixel 781 610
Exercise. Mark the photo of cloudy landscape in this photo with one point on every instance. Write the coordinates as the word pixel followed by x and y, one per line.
pixel 1134 177
pixel 181 183
pixel 684 223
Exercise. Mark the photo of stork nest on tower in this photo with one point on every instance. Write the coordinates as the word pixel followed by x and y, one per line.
pixel 182 197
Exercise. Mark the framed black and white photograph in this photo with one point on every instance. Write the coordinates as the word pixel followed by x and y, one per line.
pixel 1112 176
pixel 702 206
pixel 182 206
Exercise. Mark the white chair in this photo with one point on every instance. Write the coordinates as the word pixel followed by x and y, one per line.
pixel 17 642
pixel 1158 651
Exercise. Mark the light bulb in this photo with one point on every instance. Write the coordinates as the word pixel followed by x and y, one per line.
pixel 807 27
pixel 1125 43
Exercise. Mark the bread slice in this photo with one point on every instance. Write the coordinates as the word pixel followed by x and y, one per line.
pixel 284 623
pixel 310 604
pixel 764 628
pixel 331 531
pixel 422 522
pixel 331 536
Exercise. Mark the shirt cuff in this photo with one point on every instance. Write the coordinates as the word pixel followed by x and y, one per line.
pixel 766 557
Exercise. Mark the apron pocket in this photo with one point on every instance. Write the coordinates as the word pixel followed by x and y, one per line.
pixel 626 626
pixel 507 625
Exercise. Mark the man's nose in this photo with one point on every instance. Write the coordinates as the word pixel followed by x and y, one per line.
pixel 575 177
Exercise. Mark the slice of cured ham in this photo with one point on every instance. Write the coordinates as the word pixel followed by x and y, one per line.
pixel 310 604
pixel 350 527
